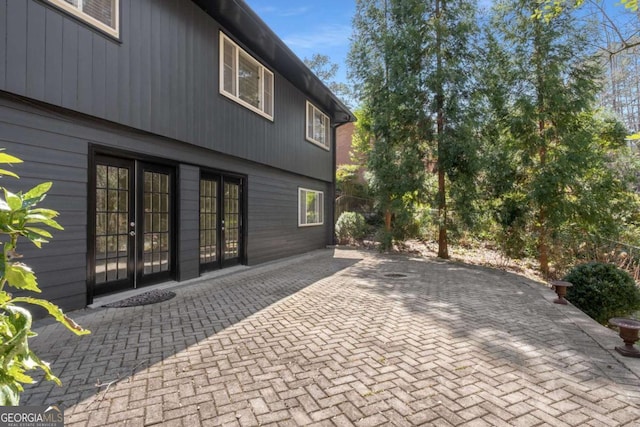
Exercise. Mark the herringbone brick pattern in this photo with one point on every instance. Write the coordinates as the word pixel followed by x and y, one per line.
pixel 332 340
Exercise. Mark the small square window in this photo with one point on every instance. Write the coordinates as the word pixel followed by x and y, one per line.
pixel 318 127
pixel 310 207
pixel 102 14
pixel 244 79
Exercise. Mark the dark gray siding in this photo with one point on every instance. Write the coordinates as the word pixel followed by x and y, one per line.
pixel 162 77
pixel 55 147
pixel 51 153
pixel 273 218
pixel 189 222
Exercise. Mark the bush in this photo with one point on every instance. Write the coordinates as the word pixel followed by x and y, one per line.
pixel 351 227
pixel 385 238
pixel 603 291
pixel 20 218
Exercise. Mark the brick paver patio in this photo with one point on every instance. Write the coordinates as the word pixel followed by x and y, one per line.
pixel 335 338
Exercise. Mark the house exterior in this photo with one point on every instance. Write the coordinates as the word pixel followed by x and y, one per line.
pixel 181 137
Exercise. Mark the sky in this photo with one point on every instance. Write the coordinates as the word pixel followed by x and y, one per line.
pixel 313 26
pixel 324 27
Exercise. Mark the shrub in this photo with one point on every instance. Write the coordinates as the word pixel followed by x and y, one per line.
pixel 603 291
pixel 385 238
pixel 20 218
pixel 351 227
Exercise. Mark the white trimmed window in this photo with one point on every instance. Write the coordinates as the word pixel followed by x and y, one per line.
pixel 102 14
pixel 244 79
pixel 318 127
pixel 310 207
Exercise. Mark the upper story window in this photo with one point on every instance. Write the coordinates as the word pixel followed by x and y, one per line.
pixel 318 127
pixel 102 14
pixel 310 207
pixel 244 79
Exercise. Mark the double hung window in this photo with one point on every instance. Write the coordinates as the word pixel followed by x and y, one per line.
pixel 318 127
pixel 310 207
pixel 244 79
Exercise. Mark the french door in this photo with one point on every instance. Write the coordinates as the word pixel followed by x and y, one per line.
pixel 133 224
pixel 221 206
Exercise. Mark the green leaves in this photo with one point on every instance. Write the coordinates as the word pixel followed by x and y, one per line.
pixel 55 312
pixel 8 159
pixel 21 276
pixel 630 4
pixel 18 214
pixel 19 217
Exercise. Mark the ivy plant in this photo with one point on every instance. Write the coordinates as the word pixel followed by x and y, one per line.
pixel 21 218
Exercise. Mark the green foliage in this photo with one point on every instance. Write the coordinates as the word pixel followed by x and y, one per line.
pixel 385 61
pixel 326 71
pixel 19 217
pixel 549 9
pixel 603 291
pixel 348 182
pixel 385 240
pixel 552 160
pixel 351 227
pixel 411 63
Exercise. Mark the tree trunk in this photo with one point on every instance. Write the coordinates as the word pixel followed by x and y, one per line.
pixel 443 246
pixel 543 232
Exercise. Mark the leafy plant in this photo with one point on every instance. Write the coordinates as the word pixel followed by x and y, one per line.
pixel 19 216
pixel 603 291
pixel 351 227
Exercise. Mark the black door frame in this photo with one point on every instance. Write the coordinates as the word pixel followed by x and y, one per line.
pixel 220 177
pixel 97 153
pixel 141 278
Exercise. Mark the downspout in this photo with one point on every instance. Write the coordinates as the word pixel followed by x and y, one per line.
pixel 332 189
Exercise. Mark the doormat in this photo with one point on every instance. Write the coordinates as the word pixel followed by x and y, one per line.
pixel 146 298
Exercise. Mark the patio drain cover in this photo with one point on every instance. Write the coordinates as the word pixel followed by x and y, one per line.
pixel 150 297
pixel 395 275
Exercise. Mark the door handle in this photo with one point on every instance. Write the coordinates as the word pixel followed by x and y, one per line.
pixel 132 233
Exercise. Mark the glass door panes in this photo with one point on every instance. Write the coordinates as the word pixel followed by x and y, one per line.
pixel 132 212
pixel 157 222
pixel 112 239
pixel 208 221
pixel 220 221
pixel 231 220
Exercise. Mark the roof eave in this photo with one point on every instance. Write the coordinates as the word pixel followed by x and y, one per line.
pixel 251 30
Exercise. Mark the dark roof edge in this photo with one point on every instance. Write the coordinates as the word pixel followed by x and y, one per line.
pixel 250 29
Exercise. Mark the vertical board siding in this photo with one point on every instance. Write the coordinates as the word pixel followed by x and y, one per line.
pixel 3 43
pixel 16 47
pixel 162 77
pixel 70 55
pixel 54 58
pixel 112 61
pixel 85 69
pixel 188 234
pixel 99 80
pixel 36 66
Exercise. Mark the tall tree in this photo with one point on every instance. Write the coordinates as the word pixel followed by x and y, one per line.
pixel 448 64
pixel 385 61
pixel 410 61
pixel 552 159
